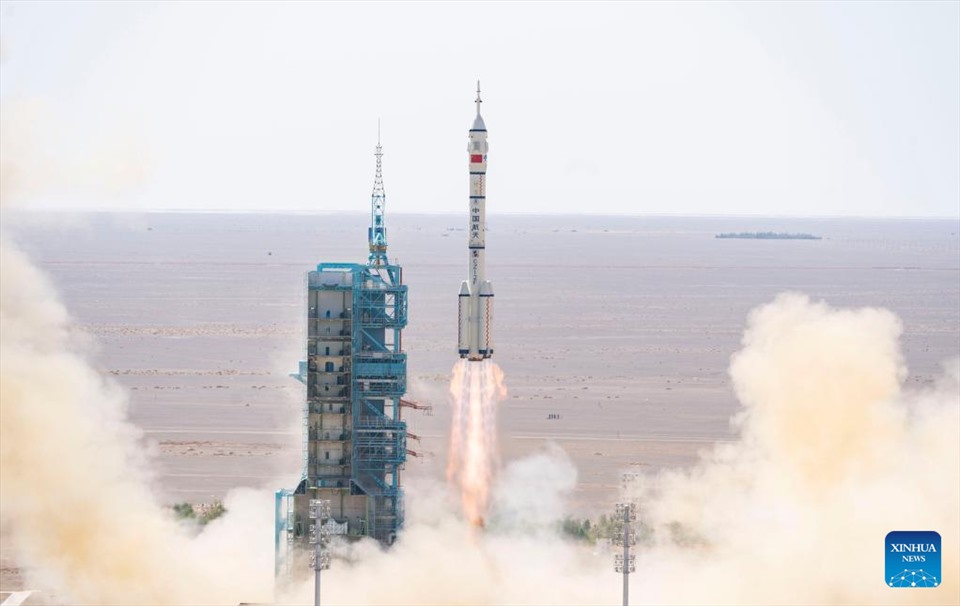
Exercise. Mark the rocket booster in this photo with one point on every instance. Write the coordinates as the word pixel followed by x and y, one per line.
pixel 475 302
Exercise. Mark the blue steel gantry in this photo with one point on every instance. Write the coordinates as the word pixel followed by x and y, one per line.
pixel 355 373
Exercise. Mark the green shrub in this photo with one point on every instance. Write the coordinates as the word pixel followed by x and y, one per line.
pixel 578 530
pixel 212 512
pixel 184 511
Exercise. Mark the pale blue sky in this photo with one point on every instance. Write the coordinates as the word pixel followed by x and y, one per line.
pixel 757 108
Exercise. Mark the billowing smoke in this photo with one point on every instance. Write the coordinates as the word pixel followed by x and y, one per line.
pixel 76 502
pixel 440 558
pixel 42 155
pixel 833 454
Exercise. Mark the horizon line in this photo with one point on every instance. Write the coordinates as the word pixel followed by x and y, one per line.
pixel 210 211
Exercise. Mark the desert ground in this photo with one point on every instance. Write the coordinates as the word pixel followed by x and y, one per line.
pixel 621 326
pixel 614 333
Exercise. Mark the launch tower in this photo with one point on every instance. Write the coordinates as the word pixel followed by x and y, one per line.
pixel 355 372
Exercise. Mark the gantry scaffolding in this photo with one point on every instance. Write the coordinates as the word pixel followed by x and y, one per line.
pixel 355 373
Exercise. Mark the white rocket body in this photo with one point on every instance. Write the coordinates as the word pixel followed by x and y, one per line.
pixel 476 293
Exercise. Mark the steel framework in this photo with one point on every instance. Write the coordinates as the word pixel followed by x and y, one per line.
pixel 354 441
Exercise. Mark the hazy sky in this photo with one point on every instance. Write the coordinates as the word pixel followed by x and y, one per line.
pixel 804 108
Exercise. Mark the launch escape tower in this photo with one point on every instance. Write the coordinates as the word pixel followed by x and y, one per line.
pixel 355 372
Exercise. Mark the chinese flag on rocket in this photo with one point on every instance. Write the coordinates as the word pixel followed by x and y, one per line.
pixel 476 158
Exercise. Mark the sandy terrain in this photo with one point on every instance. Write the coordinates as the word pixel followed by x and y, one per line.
pixel 621 327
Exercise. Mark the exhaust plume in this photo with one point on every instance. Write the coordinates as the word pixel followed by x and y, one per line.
pixel 475 388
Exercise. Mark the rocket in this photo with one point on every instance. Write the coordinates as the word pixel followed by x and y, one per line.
pixel 475 302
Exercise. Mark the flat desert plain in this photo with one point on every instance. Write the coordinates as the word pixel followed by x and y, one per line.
pixel 614 333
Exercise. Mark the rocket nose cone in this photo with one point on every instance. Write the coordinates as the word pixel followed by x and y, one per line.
pixel 478 123
pixel 464 289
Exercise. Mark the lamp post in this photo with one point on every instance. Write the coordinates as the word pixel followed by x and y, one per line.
pixel 626 536
pixel 320 560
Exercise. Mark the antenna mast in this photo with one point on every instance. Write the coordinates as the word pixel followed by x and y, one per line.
pixel 377 234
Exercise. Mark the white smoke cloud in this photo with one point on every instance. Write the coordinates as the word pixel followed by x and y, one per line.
pixel 44 158
pixel 833 454
pixel 530 495
pixel 442 558
pixel 76 502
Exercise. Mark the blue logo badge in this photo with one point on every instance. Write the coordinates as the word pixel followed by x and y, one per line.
pixel 913 558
